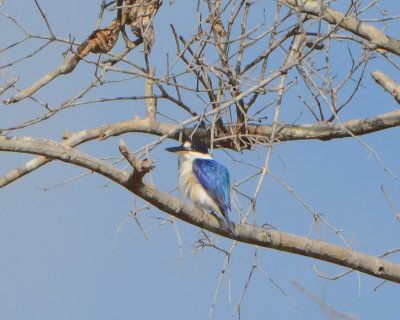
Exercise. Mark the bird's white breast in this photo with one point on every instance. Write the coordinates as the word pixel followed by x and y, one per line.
pixel 192 189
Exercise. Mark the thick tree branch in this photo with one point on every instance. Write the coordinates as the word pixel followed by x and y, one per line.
pixel 72 140
pixel 328 131
pixel 247 233
pixel 321 131
pixel 376 38
pixel 58 151
pixel 388 84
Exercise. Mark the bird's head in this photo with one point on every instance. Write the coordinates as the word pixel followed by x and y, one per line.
pixel 191 149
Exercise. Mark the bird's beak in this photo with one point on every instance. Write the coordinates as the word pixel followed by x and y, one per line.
pixel 175 149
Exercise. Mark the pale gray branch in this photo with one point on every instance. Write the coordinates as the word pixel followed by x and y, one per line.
pixel 388 84
pixel 376 38
pixel 327 130
pixel 246 233
pixel 321 131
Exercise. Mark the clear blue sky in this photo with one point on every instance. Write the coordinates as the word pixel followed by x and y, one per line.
pixel 61 255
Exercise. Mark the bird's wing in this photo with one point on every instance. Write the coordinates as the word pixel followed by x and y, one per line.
pixel 214 178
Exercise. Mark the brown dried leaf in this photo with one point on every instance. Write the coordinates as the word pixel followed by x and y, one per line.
pixel 100 41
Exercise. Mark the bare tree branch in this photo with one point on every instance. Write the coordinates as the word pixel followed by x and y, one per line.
pixel 321 131
pixel 246 233
pixel 329 311
pixel 231 82
pixel 328 131
pixel 376 38
pixel 68 66
pixel 388 84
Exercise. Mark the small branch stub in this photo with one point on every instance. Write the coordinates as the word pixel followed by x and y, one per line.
pixel 141 167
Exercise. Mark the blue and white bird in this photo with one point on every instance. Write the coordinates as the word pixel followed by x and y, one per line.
pixel 203 180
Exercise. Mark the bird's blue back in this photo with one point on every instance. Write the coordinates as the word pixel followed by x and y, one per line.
pixel 214 178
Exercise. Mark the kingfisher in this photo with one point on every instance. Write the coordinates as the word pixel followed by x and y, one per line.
pixel 204 181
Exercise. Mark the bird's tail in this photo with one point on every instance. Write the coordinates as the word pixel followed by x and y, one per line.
pixel 229 224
